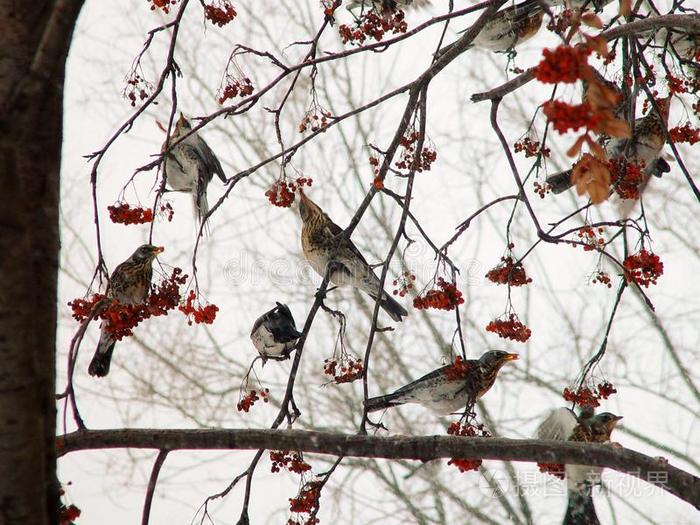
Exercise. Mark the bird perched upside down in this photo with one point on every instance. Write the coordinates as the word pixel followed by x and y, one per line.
pixel 449 388
pixel 324 246
pixel 190 166
pixel 562 424
pixel 643 148
pixel 129 284
pixel 274 333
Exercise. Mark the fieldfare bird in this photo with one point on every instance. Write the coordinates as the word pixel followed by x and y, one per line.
pixel 449 388
pixel 324 246
pixel 511 26
pixel 129 284
pixel 191 165
pixel 643 148
pixel 274 333
pixel 562 424
pixel 387 7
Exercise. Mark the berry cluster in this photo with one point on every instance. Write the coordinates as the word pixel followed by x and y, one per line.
pixel 202 314
pixel 456 370
pixel 685 133
pixel 531 148
pixel 82 308
pixel 220 12
pixel 67 514
pixel 603 278
pixel 564 64
pixel 629 178
pixel 307 501
pixel 329 7
pixel 404 283
pixel 643 268
pixel 124 214
pixel 292 461
pixel 561 22
pixel 409 159
pixel 677 85
pixel 235 87
pixel 467 430
pixel 251 397
pixel 136 88
pixel 162 4
pixel 589 397
pixel 166 210
pixel 282 193
pixel 510 327
pixel 377 182
pixel 448 297
pixel 555 469
pixel 373 25
pixel 541 189
pixel 589 238
pixel 315 119
pixel 509 272
pixel 350 369
pixel 565 117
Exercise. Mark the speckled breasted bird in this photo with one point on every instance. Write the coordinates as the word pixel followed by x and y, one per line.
pixel 324 246
pixel 274 333
pixel 191 165
pixel 511 26
pixel 562 424
pixel 129 284
pixel 449 388
pixel 644 147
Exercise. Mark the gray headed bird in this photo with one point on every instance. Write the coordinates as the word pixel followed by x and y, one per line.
pixel 129 284
pixel 274 333
pixel 562 424
pixel 324 246
pixel 449 388
pixel 191 165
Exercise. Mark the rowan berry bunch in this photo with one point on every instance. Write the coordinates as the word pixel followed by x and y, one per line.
pixel 555 469
pixel 531 148
pixel 373 25
pixel 685 133
pixel 315 119
pixel 409 159
pixel 541 189
pixel 249 399
pixel 82 308
pixel 628 178
pixel 586 396
pixel 589 237
pixel 404 283
pixel 282 193
pixel 200 314
pixel 67 514
pixel 509 272
pixel 329 7
pixel 457 370
pixel 306 502
pixel 235 87
pixel 678 85
pixel 561 22
pixel 163 5
pixel 123 213
pixel 346 371
pixel 467 430
pixel 291 461
pixel 166 210
pixel 643 268
pixel 377 182
pixel 219 12
pixel 509 327
pixel 137 88
pixel 601 277
pixel 565 64
pixel 448 297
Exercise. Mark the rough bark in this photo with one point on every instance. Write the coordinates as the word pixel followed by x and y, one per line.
pixel 34 42
pixel 653 470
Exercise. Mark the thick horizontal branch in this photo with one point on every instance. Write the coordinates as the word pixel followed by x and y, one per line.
pixel 688 22
pixel 655 471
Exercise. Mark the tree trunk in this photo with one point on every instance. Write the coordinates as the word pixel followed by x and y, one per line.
pixel 34 42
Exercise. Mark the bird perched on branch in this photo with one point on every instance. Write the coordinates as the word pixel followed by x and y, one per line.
pixel 387 7
pixel 190 166
pixel 324 246
pixel 511 26
pixel 643 148
pixel 274 333
pixel 562 424
pixel 129 284
pixel 449 388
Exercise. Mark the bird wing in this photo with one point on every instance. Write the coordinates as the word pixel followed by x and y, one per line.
pixel 432 376
pixel 281 324
pixel 209 159
pixel 559 425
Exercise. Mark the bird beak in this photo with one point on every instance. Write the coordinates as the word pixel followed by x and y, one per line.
pixel 511 357
pixel 158 249
pixel 617 418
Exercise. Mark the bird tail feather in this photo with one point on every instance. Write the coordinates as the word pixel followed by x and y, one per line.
pixel 382 402
pixel 391 307
pixel 580 509
pixel 99 366
pixel 201 208
pixel 560 182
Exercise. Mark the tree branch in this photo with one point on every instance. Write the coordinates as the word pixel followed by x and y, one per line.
pixel 657 472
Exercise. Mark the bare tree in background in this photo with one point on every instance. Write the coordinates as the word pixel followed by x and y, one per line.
pixel 319 101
